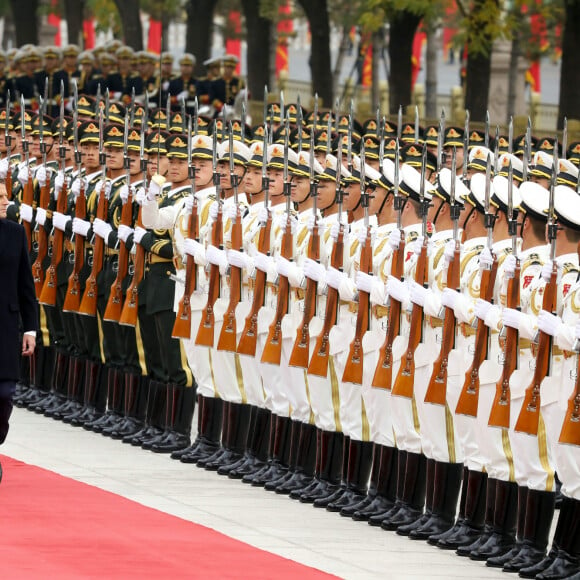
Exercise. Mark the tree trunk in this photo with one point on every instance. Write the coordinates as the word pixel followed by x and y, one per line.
pixel 131 23
pixel 199 30
pixel 320 68
pixel 74 13
pixel 569 105
pixel 431 73
pixel 402 31
pixel 259 47
pixel 25 19
pixel 342 50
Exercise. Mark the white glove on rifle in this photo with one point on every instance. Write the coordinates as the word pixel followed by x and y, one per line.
pixel 76 186
pixel 418 245
pixel 196 250
pixel 216 257
pixel 107 190
pixel 418 294
pixel 314 270
pixel 140 195
pixel 334 278
pixel 450 251
pixel 102 229
pixel 310 223
pixel 41 175
pixel 549 323
pixel 449 298
pixel 263 262
pixel 4 167
pixel 397 289
pixel 230 211
pixel 182 95
pixel 263 215
pixel 362 236
pixel 188 204
pixel 395 239
pixel 59 220
pixel 547 271
pixel 366 282
pixel 509 265
pixel 290 270
pixel 58 184
pixel 488 312
pixel 154 190
pixel 26 212
pixel 81 227
pixel 23 173
pixel 482 307
pixel 213 211
pixel 138 234
pixel 293 223
pixel 124 192
pixel 123 232
pixel 335 229
pixel 40 216
pixel 240 260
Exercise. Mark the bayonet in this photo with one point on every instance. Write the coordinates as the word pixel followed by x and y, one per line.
pixel 489 217
pixel 424 205
pixel 195 116
pixel 381 137
pixel 398 199
pixel 565 138
pixel 527 150
pixel 486 136
pixel 400 121
pixel 552 226
pixel 7 136
pixel 416 124
pixel 511 135
pixel 243 123
pixel 512 220
pixel 440 138
pixel 286 122
pixel 282 107
pixel 465 146
pixel 299 122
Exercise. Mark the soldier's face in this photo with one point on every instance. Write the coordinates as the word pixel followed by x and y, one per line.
pixel 458 158
pixel 326 193
pixel 300 189
pixel 50 63
pixel 114 157
pixel 376 200
pixel 352 196
pixel 178 170
pixel 4 203
pixel 35 145
pixel 166 69
pixel 276 177
pixel 186 70
pixel 90 153
pixel 253 180
pixel 70 61
pixel 124 65
pixel 135 161
pixel 156 164
pixel 203 172
pixel 320 157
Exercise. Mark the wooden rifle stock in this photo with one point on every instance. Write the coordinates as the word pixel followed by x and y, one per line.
pixel 88 305
pixel 48 294
pixel 570 433
pixel 500 409
pixel 353 370
pixel 182 325
pixel 131 305
pixel 404 382
pixel 300 354
pixel 529 418
pixel 228 334
pixel 248 340
pixel 28 198
pixel 205 333
pixel 9 180
pixel 72 300
pixel 115 302
pixel 383 377
pixel 437 389
pixel 272 352
pixel 469 398
pixel 37 270
pixel 319 360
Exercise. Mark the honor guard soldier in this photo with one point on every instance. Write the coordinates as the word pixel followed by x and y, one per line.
pixel 70 62
pixel 206 84
pixel 184 87
pixel 226 88
pixel 52 77
pixel 146 64
pixel 87 75
pixel 107 64
pixel 124 82
pixel 25 83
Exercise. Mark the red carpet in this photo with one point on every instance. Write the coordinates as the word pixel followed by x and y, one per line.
pixel 55 527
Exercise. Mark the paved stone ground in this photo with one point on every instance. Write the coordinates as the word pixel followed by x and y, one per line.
pixel 314 537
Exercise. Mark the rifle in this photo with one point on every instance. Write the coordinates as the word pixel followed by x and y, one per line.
pixel 88 305
pixel 405 379
pixel 28 190
pixel 529 417
pixel 272 352
pixel 319 360
pixel 8 143
pixel 206 328
pixel 437 389
pixel 353 370
pixel 469 398
pixel 37 270
pixel 48 294
pixel 300 354
pixel 570 433
pixel 115 302
pixel 248 340
pixel 72 299
pixel 383 377
pixel 182 325
pixel 227 338
pixel 465 148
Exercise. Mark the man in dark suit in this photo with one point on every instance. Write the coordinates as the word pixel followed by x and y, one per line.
pixel 17 304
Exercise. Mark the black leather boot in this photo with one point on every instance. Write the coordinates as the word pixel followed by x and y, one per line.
pixel 114 402
pixel 372 489
pixel 136 387
pixel 539 512
pixel 239 441
pixel 386 485
pixel 276 466
pixel 399 484
pixel 180 407
pixel 94 399
pixel 413 499
pixel 502 538
pixel 472 523
pixel 75 379
pixel 256 453
pixel 305 460
pixel 331 454
pixel 566 509
pixel 429 493
pixel 58 382
pixel 154 416
pixel 181 452
pixel 448 477
pixel 360 458
pixel 289 457
pixel 334 495
pixel 210 428
pixel 296 493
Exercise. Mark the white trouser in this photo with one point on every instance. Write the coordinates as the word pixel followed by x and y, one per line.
pixel 200 360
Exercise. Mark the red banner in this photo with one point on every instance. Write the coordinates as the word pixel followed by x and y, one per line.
pixel 154 40
pixel 54 20
pixel 234 45
pixel 89 34
pixel 285 28
pixel 418 41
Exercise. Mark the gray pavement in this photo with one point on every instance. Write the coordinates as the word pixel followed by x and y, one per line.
pixel 263 519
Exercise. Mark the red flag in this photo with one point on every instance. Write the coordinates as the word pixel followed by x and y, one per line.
pixel 155 36
pixel 234 45
pixel 89 34
pixel 418 40
pixel 285 28
pixel 367 67
pixel 54 20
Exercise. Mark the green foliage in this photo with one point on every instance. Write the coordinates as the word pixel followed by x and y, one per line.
pixel 159 9
pixel 106 15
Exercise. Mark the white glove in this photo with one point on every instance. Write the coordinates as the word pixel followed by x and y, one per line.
pixel 230 211
pixel 509 265
pixel 547 271
pixel 76 186
pixel 463 308
pixel 153 191
pixel 107 186
pixel 182 95
pixel 165 85
pixel 365 282
pixel 123 232
pixel 41 175
pixel 482 307
pixel 140 195
pixel 362 236
pixel 193 248
pixel 418 294
pixel 138 234
pixel 310 223
pixel 395 239
pixel 216 257
pixel 213 211
pixel 334 277
pixel 335 229
pixel 26 212
pixel 4 167
pixel 40 216
pixel 124 193
pixel 263 215
pixel 449 298
pixel 549 323
pixel 450 251
pixel 263 262
pixel 511 317
pixel 314 270
pixel 81 227
pixel 418 244
pixel 290 270
pixel 486 259
pixel 293 223
pixel 59 220
pixel 58 183
pixel 188 204
pixel 397 289
pixel 23 173
pixel 102 228
pixel 239 259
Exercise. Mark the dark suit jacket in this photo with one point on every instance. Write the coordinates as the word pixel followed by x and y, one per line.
pixel 17 297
